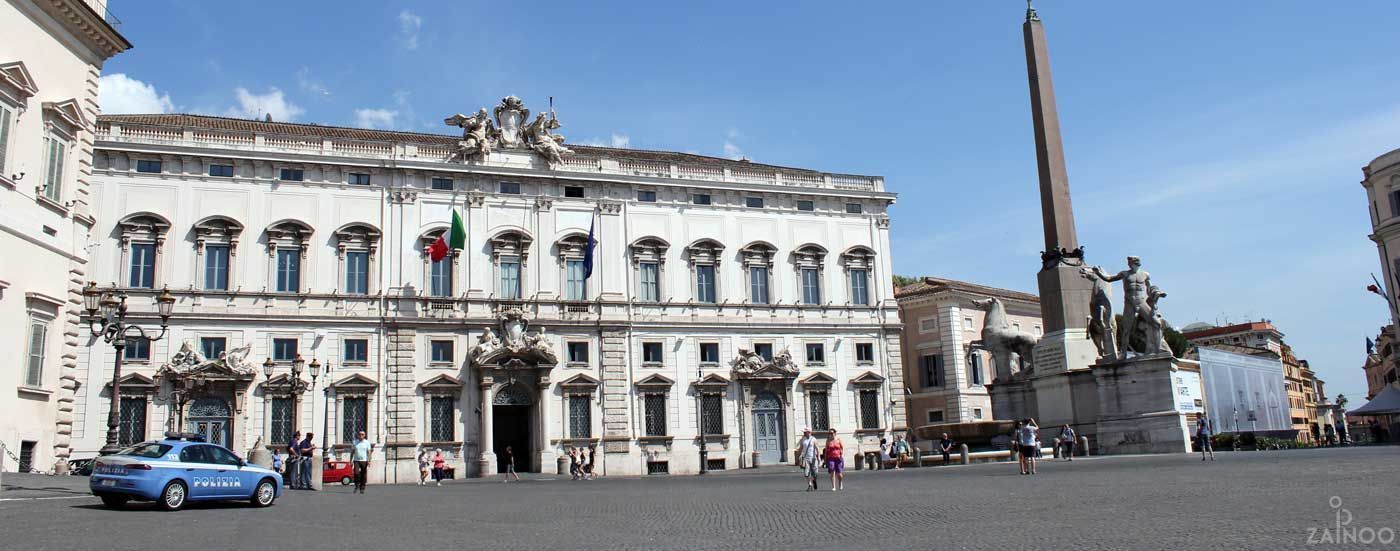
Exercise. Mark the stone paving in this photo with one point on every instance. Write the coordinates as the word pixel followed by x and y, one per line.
pixel 1247 500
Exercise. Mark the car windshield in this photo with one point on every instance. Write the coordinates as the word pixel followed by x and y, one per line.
pixel 149 450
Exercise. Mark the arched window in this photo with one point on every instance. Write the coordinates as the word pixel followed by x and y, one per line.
pixel 287 244
pixel 439 277
pixel 510 250
pixel 572 250
pixel 704 257
pixel 142 239
pixel 757 258
pixel 809 261
pixel 649 262
pixel 356 245
pixel 859 263
pixel 215 249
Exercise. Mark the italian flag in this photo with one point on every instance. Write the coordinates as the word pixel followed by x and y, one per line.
pixel 455 238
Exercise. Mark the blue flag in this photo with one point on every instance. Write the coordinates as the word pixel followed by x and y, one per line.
pixel 588 253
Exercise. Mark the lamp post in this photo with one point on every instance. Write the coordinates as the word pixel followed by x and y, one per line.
pixel 700 420
pixel 316 371
pixel 111 325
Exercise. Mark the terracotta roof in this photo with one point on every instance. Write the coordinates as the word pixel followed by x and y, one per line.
pixel 1229 329
pixel 931 285
pixel 228 124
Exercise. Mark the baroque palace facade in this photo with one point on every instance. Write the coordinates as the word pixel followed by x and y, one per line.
pixel 730 303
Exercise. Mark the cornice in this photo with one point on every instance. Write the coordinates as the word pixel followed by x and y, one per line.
pixel 78 18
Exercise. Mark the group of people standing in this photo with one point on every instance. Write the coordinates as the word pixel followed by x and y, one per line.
pixel 436 465
pixel 296 470
pixel 581 462
pixel 832 455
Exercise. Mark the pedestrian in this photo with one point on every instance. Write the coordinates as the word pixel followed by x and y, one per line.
pixel 277 462
pixel 1331 435
pixel 1027 437
pixel 807 457
pixel 1342 437
pixel 835 454
pixel 306 449
pixel 574 468
pixel 1203 433
pixel 1067 442
pixel 900 450
pixel 359 456
pixel 592 459
pixel 945 446
pixel 439 466
pixel 510 466
pixel 423 466
pixel 1038 448
pixel 293 467
pixel 884 453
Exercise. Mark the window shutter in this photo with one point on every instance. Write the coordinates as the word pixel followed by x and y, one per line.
pixel 923 371
pixel 1395 203
pixel 938 376
pixel 4 136
pixel 36 354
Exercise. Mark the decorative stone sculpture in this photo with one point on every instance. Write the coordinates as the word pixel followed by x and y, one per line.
pixel 1103 329
pixel 511 116
pixel 477 132
pixel 539 342
pixel 486 343
pixel 784 361
pixel 1139 312
pixel 551 146
pixel 1157 339
pixel 187 355
pixel 747 361
pixel 237 358
pixel 1002 340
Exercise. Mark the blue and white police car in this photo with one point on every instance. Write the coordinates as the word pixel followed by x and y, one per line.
pixel 178 469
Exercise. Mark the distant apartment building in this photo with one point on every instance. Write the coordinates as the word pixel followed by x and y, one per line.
pixel 1262 338
pixel 945 373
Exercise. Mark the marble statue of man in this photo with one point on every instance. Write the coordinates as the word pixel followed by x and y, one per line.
pixel 550 145
pixel 1137 313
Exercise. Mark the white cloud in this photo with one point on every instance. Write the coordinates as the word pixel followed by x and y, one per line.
pixel 409 25
pixel 618 141
pixel 118 93
pixel 273 103
pixel 309 84
pixel 732 151
pixel 375 118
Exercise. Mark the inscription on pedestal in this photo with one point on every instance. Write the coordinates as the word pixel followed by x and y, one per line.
pixel 1049 356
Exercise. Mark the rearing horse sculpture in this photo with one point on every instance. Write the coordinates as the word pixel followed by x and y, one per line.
pixel 1001 339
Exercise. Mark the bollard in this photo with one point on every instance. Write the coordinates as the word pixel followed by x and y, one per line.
pixel 753 460
pixel 1083 446
pixel 872 462
pixel 918 457
pixel 1056 453
pixel 962 453
pixel 562 465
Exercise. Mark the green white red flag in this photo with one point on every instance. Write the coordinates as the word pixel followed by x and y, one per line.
pixel 450 240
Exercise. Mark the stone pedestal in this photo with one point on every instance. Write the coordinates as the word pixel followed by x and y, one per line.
pixel 1138 407
pixel 318 466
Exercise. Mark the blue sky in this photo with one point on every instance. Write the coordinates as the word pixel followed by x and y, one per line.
pixel 1220 141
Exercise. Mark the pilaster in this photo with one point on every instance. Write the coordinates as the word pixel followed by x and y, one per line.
pixel 615 391
pixel 399 441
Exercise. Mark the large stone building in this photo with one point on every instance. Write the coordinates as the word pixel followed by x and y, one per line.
pixel 1381 180
pixel 945 372
pixel 51 55
pixel 1262 338
pixel 729 302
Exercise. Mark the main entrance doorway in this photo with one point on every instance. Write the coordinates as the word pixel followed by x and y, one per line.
pixel 768 428
pixel 511 425
pixel 210 417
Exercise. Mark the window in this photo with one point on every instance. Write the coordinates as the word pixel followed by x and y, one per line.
pixel 974 368
pixel 580 416
pixel 578 352
pixel 869 408
pixel 712 414
pixel 288 270
pixel 290 175
pixel 758 284
pixel 222 171
pixel 1395 203
pixel 216 267
pixel 38 343
pixel 573 191
pixel 281 419
pixel 510 279
pixel 359 179
pixel 445 184
pixel 709 353
pixel 357 272
pixel 5 114
pixel 356 350
pixel 967 324
pixel 934 416
pixel 646 196
pixel 928 325
pixel 510 188
pixel 149 167
pixel 816 354
pixel 131 423
pixel 865 353
pixel 575 287
pixel 138 349
pixel 442 410
pixel 700 198
pixel 655 405
pixel 211 347
pixel 650 290
pixel 860 287
pixel 705 283
pixel 806 205
pixel 821 414
pixel 764 350
pixel 853 208
pixel 143 266
pixel 977 414
pixel 811 286
pixel 284 350
pixel 440 281
pixel 442 351
pixel 651 353
pixel 353 416
pixel 930 371
pixel 753 202
pixel 195 454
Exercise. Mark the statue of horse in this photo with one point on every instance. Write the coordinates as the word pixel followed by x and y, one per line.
pixel 1001 339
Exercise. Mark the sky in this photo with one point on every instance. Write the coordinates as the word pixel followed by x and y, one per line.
pixel 1220 141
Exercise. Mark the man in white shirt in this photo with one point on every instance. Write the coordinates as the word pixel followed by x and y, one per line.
pixel 807 454
pixel 359 455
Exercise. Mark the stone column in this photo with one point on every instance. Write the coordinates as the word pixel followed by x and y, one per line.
pixel 615 386
pixel 894 371
pixel 399 402
pixel 487 464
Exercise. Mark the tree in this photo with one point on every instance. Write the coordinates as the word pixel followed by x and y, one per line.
pixel 901 282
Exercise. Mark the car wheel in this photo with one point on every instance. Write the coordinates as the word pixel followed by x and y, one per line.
pixel 114 502
pixel 265 493
pixel 173 497
pixel 345 481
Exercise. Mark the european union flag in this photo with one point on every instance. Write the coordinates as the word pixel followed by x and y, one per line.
pixel 588 253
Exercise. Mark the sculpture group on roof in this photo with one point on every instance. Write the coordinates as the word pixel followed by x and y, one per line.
pixel 509 126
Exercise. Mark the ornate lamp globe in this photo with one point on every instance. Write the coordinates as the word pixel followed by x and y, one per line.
pixel 315 368
pixel 297 365
pixel 165 304
pixel 91 298
pixel 267 368
pixel 108 304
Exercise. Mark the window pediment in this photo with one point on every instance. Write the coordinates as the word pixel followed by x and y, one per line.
pixel 355 384
pixel 869 378
pixel 818 379
pixel 511 243
pixel 217 229
pixel 655 383
pixel 649 249
pixel 441 384
pixel 291 234
pixel 809 256
pixel 572 247
pixel 357 236
pixel 758 253
pixel 580 383
pixel 705 251
pixel 143 227
pixel 16 76
pixel 67 112
pixel 858 257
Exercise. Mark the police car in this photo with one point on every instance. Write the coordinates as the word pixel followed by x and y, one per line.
pixel 178 469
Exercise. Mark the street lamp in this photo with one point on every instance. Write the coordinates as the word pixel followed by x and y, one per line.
pixel 316 371
pixel 112 327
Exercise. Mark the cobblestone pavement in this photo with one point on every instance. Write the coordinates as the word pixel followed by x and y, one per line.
pixel 1243 500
